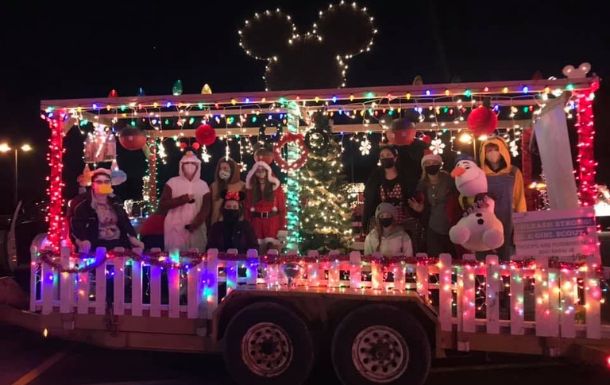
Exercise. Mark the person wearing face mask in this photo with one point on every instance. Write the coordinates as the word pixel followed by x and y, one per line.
pixel 437 205
pixel 226 178
pixel 387 237
pixel 186 199
pixel 232 231
pixel 389 184
pixel 98 219
pixel 265 205
pixel 505 185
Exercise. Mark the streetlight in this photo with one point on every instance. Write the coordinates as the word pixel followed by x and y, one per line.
pixel 4 148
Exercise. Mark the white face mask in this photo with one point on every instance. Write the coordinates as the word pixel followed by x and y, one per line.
pixel 189 170
pixel 222 174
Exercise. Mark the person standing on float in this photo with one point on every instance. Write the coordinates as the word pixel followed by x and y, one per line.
pixel 186 198
pixel 265 205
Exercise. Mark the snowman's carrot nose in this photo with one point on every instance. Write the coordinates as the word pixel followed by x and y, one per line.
pixel 457 171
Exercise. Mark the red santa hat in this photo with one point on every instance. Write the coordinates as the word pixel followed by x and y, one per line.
pixel 429 155
pixel 270 177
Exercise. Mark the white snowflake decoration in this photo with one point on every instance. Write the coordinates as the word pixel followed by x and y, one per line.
pixel 437 146
pixel 514 148
pixel 365 146
pixel 205 155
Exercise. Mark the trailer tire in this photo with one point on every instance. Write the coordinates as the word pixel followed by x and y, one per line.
pixel 266 343
pixel 380 344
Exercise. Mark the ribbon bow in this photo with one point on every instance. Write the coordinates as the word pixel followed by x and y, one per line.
pixel 232 195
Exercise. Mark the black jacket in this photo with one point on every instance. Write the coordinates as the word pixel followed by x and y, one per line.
pixel 242 237
pixel 84 222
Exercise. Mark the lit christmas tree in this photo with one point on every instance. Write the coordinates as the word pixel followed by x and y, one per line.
pixel 325 214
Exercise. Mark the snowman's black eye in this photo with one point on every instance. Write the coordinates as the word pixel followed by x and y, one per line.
pixel 480 221
pixel 467 168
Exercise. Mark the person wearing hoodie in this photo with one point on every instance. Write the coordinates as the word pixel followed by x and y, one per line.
pixel 186 199
pixel 387 237
pixel 505 186
pixel 437 204
pixel 226 178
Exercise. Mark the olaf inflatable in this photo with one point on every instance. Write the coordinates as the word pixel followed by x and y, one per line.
pixel 480 229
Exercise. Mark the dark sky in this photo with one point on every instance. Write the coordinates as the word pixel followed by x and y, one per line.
pixel 64 50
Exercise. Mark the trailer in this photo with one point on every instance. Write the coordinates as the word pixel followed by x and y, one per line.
pixel 381 320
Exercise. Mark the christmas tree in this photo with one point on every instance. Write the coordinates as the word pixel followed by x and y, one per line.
pixel 325 214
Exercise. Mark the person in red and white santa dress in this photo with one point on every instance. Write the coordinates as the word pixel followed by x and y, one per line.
pixel 265 205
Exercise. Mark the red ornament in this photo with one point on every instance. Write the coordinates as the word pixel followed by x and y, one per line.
pixel 289 137
pixel 113 93
pixel 182 145
pixel 132 139
pixel 426 139
pixel 482 121
pixel 205 134
pixel 196 146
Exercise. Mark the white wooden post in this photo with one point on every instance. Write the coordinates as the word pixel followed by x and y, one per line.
pixel 569 297
pixel 355 271
pixel 173 282
pixel 34 268
pixel 492 298
pixel 421 274
pixel 554 306
pixel 334 275
pixel 136 288
pixel 231 270
pixel 82 299
pixel 313 268
pixel 466 296
pixel 377 271
pixel 155 290
pixel 542 296
pixel 100 282
pixel 399 276
pixel 66 295
pixel 593 296
pixel 49 280
pixel 119 286
pixel 445 291
pixel 211 282
pixel 273 269
pixel 252 263
pixel 517 299
pixel 193 296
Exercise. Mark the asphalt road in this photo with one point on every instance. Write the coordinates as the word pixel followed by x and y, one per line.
pixel 28 358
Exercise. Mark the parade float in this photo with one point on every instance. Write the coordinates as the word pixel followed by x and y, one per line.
pixel 383 319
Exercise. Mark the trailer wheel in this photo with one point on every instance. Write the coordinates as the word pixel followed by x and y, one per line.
pixel 379 344
pixel 265 343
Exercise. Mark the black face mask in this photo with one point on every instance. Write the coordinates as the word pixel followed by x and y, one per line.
pixel 386 222
pixel 387 162
pixel 230 215
pixel 433 169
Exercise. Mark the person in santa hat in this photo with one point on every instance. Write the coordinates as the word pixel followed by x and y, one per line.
pixel 437 204
pixel 97 217
pixel 186 198
pixel 265 205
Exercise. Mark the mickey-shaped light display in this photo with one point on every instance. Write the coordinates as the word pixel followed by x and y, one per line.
pixel 480 230
pixel 575 73
pixel 316 59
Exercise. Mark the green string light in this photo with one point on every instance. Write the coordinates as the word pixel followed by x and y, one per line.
pixel 292 181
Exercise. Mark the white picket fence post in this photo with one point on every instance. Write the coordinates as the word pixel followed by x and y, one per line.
pixel 542 297
pixel 211 282
pixel 35 267
pixel 155 290
pixel 517 299
pixel 252 263
pixel 273 269
pixel 119 285
pixel 569 297
pixel 231 269
pixel 334 275
pixel 355 271
pixel 66 295
pixel 593 295
pixel 136 288
pixel 313 268
pixel 100 282
pixel 492 294
pixel 445 291
pixel 466 296
pixel 422 277
pixel 48 276
pixel 376 271
pixel 554 306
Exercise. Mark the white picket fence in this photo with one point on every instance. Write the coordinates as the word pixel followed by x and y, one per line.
pixel 559 307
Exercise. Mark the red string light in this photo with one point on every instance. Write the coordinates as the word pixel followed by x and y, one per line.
pixel 586 134
pixel 56 203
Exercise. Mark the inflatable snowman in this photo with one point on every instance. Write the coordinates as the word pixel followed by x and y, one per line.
pixel 480 230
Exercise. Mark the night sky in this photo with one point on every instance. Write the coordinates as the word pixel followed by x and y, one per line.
pixel 55 50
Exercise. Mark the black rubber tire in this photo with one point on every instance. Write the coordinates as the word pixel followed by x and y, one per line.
pixel 303 356
pixel 406 325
